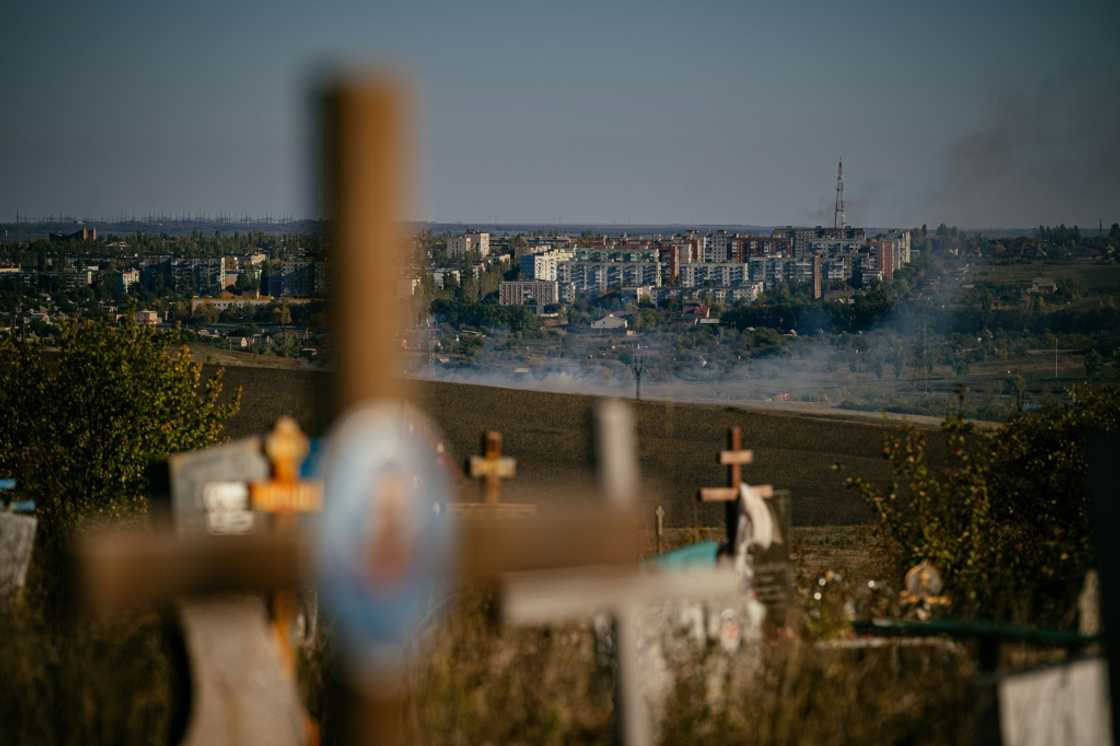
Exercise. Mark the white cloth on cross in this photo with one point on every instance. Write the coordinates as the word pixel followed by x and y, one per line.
pixel 755 528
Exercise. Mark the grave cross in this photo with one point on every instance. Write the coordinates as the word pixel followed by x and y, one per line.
pixel 492 466
pixel 285 496
pixel 490 469
pixel 557 596
pixel 734 458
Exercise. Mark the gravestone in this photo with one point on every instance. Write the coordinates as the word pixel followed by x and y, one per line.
pixel 773 568
pixel 1064 704
pixel 641 603
pixel 210 488
pixel 17 538
pixel 241 691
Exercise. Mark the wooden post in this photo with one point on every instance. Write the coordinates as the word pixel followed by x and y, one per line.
pixel 366 185
pixel 659 514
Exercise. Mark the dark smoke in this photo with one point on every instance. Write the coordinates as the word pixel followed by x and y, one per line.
pixel 1047 157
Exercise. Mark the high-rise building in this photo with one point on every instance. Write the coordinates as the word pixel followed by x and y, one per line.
pixel 459 246
pixel 528 293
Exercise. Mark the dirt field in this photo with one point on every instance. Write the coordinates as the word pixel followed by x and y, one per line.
pixel 1094 278
pixel 549 434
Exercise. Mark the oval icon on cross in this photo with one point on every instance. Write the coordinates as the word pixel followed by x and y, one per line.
pixel 383 549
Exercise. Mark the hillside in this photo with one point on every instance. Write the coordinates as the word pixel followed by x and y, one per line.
pixel 549 434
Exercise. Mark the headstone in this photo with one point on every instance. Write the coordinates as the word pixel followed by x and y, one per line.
pixel 17 538
pixel 773 568
pixel 1065 704
pixel 240 690
pixel 210 488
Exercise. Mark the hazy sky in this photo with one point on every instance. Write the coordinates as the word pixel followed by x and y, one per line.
pixel 974 113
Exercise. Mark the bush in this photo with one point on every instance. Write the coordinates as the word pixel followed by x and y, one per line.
pixel 81 426
pixel 1007 521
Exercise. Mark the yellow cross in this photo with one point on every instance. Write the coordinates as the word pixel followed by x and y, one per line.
pixel 285 496
pixel 492 467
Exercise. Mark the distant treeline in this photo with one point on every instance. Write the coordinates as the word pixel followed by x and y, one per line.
pixel 483 315
pixel 871 311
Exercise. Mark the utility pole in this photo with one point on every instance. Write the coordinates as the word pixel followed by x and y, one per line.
pixel 638 366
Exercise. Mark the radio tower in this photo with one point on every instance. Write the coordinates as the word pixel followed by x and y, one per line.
pixel 839 216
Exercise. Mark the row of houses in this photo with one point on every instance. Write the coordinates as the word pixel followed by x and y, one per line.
pixel 193 276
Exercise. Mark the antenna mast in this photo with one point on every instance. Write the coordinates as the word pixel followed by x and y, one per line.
pixel 839 215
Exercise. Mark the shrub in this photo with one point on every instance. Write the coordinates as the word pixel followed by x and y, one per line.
pixel 1007 520
pixel 81 426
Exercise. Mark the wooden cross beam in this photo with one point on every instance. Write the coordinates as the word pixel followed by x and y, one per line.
pixel 490 468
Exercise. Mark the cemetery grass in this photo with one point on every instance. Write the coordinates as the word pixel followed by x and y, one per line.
pixel 554 687
pixel 76 681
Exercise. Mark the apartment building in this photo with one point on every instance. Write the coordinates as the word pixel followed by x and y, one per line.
pixel 461 245
pixel 529 293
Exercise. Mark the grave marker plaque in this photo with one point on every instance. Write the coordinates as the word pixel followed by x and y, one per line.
pixel 1066 704
pixel 773 570
pixel 210 487
pixel 17 538
pixel 241 690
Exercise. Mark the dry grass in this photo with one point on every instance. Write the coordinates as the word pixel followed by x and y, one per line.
pixel 71 681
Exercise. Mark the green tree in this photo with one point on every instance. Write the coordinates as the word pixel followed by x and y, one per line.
pixel 81 427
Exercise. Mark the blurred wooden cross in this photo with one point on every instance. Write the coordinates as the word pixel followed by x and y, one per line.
pixel 364 128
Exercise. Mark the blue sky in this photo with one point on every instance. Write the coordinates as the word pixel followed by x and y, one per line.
pixel 980 114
